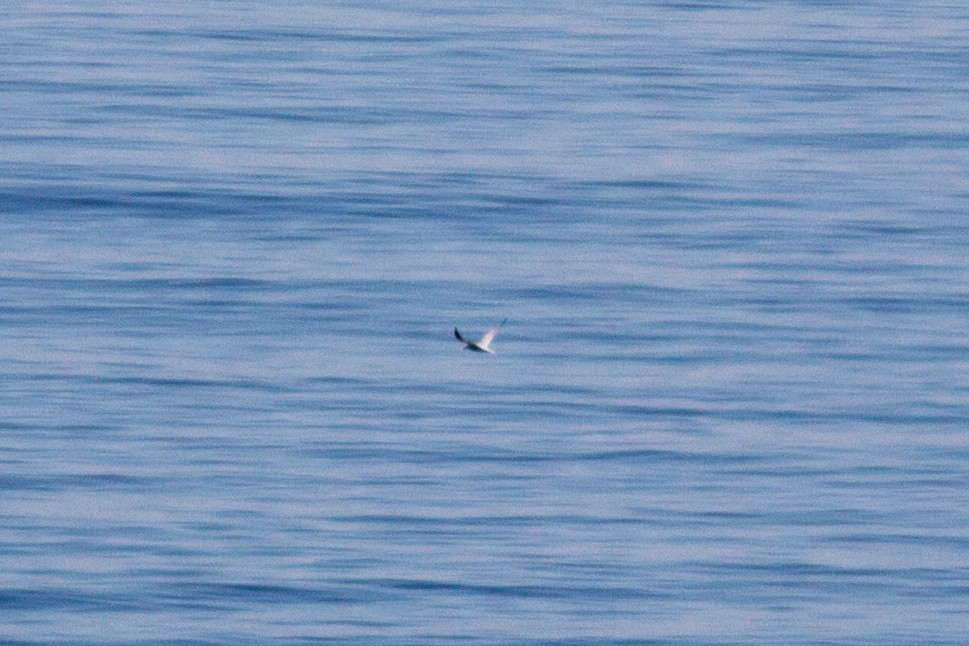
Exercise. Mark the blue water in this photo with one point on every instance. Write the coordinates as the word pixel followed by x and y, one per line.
pixel 730 404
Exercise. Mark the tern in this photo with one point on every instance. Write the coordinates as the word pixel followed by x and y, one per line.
pixel 484 345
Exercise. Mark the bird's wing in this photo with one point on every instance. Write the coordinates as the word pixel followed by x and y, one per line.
pixel 491 334
pixel 457 335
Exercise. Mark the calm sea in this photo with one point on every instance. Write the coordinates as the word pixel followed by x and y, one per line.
pixel 730 403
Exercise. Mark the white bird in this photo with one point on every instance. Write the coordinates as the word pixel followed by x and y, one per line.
pixel 484 344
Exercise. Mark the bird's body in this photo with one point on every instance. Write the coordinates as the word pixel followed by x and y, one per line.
pixel 483 345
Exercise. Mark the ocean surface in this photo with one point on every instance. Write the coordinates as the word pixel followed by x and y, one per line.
pixel 730 404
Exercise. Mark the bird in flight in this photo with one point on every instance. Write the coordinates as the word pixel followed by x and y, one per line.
pixel 484 344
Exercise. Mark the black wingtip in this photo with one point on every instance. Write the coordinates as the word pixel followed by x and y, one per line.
pixel 457 335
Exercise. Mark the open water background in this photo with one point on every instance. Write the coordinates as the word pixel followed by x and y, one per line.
pixel 730 404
